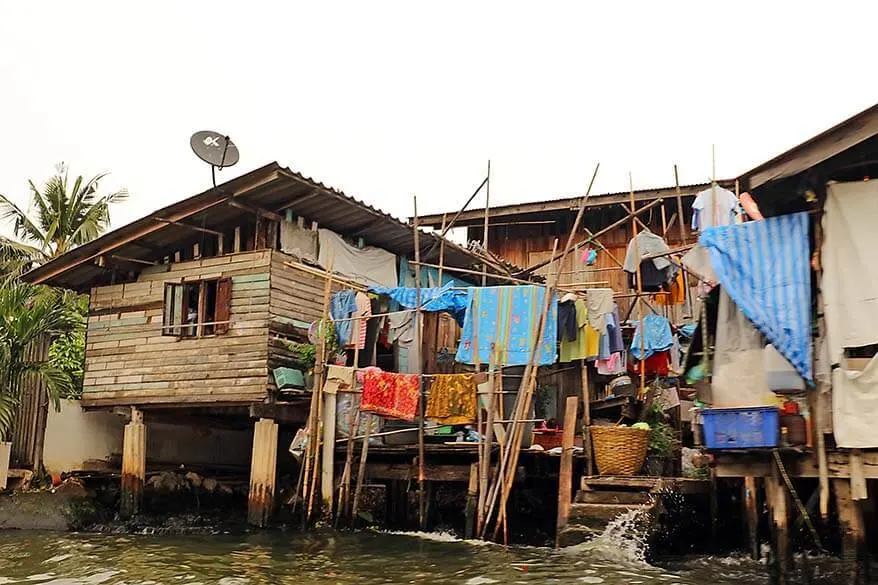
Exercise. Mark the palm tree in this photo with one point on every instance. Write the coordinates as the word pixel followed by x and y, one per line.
pixel 29 313
pixel 64 216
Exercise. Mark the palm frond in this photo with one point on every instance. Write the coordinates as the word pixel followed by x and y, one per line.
pixel 22 225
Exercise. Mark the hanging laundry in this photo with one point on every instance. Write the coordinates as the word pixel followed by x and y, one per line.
pixel 359 325
pixel 600 303
pixel 391 394
pixel 433 300
pixel 612 365
pixel 588 256
pixel 587 342
pixel 452 399
pixel 646 243
pixel 298 242
pixel 764 268
pixel 369 265
pixel 712 207
pixel 657 336
pixel 614 330
pixel 507 317
pixel 342 306
pixel 653 280
pixel 657 364
pixel 568 330
pixel 676 295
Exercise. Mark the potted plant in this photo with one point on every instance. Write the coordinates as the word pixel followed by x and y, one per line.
pixel 662 438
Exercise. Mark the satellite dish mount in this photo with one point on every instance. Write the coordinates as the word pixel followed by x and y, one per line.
pixel 214 148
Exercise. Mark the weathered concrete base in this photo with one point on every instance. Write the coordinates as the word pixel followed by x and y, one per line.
pixel 133 465
pixel 45 511
pixel 263 473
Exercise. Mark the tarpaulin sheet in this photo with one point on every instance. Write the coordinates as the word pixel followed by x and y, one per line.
pixel 764 268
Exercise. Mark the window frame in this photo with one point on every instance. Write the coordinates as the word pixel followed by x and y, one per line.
pixel 175 294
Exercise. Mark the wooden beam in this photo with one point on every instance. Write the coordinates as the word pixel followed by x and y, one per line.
pixel 255 209
pixel 565 475
pixel 181 223
pixel 751 514
pixel 759 463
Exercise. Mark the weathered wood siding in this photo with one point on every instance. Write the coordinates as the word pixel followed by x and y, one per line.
pixel 129 361
pixel 526 244
pixel 296 295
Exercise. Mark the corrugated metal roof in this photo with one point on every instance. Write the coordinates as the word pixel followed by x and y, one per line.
pixel 477 216
pixel 271 187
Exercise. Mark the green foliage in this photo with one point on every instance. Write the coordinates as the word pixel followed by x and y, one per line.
pixel 29 314
pixel 67 352
pixel 662 435
pixel 305 354
pixel 65 215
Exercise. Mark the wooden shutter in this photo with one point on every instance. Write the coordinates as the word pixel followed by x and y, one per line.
pixel 172 311
pixel 223 305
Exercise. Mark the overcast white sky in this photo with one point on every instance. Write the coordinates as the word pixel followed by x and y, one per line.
pixel 389 99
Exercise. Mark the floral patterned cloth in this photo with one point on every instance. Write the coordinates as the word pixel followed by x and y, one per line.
pixel 452 399
pixel 507 317
pixel 391 394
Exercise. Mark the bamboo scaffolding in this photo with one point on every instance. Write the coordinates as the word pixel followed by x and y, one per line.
pixel 312 452
pixel 525 397
pixel 639 289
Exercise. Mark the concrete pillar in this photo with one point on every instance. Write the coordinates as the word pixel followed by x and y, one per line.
pixel 263 472
pixel 133 465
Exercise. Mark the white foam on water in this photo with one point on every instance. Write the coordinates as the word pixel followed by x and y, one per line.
pixel 623 541
pixel 591 579
pixel 58 558
pixel 481 581
pixel 41 577
pixel 438 537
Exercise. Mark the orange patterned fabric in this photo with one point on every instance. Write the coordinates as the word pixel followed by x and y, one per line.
pixel 391 394
pixel 452 399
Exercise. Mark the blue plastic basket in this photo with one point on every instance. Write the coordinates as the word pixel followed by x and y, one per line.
pixel 741 428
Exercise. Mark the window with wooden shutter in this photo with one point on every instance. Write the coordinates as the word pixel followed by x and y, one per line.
pixel 172 313
pixel 223 305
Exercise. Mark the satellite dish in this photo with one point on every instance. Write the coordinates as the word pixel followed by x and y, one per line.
pixel 215 149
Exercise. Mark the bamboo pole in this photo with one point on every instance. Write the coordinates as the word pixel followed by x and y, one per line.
pixel 680 206
pixel 314 413
pixel 419 343
pixel 353 426
pixel 525 398
pixel 639 290
pixel 580 212
pixel 485 230
pixel 485 446
pixel 361 470
pixel 442 251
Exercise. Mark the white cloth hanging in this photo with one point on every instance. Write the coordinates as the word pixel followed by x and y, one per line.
pixel 368 265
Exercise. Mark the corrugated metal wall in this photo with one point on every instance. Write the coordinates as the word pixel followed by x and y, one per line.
pixel 32 413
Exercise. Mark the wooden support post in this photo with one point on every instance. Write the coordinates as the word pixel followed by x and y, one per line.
pixel 133 465
pixel 586 418
pixel 220 244
pixel 853 531
pixel 751 515
pixel 565 475
pixel 263 473
pixel 471 496
pixel 776 495
pixel 236 244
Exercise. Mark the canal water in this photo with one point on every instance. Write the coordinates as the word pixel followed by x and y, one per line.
pixel 616 557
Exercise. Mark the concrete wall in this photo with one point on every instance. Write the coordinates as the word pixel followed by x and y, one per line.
pixel 74 436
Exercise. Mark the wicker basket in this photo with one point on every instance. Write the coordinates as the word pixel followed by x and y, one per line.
pixel 619 450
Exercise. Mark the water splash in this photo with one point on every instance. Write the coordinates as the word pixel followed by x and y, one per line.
pixel 623 541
